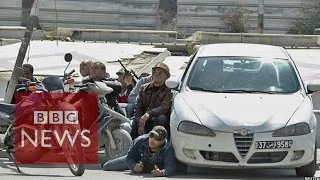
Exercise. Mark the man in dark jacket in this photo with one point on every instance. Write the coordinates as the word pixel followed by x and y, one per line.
pixel 153 103
pixel 150 153
pixel 27 75
pixel 98 73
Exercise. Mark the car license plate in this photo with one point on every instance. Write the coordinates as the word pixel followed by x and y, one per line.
pixel 273 144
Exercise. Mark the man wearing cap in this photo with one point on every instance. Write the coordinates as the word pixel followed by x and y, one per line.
pixel 153 102
pixel 144 79
pixel 150 153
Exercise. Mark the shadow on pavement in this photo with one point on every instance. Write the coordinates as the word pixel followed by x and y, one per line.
pixel 209 173
pixel 6 164
pixel 32 175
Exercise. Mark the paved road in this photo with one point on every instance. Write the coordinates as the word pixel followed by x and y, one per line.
pixel 7 171
pixel 309 66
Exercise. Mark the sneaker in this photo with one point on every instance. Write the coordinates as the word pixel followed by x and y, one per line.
pixel 102 164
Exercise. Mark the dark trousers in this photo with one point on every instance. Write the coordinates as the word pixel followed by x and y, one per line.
pixel 161 120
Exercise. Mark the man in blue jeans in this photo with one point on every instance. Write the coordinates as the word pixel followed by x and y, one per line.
pixel 150 153
pixel 133 95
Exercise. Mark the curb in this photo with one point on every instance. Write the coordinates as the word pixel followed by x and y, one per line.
pixel 4 42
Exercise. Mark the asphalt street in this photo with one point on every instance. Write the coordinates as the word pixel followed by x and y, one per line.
pixel 309 67
pixel 8 171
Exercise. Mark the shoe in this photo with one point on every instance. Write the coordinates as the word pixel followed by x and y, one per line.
pixel 102 164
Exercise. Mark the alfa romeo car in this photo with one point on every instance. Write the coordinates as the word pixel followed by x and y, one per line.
pixel 243 106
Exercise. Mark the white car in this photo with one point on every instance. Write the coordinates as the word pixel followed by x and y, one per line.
pixel 243 105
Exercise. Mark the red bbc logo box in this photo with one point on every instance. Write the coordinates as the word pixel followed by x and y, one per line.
pixel 57 132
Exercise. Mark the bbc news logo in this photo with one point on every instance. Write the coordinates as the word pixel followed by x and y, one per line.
pixel 312 178
pixel 52 132
pixel 55 117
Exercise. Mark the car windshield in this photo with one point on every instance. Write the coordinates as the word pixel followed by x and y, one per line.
pixel 243 75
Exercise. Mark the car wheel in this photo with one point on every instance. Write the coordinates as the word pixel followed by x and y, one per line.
pixel 308 170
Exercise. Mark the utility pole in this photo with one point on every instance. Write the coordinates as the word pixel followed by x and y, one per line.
pixel 22 51
pixel 260 16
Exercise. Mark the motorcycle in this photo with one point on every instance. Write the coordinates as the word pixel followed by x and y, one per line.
pixel 27 105
pixel 68 79
pixel 115 140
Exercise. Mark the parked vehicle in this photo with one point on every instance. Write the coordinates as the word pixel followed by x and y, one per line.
pixel 52 84
pixel 244 105
pixel 316 31
pixel 115 140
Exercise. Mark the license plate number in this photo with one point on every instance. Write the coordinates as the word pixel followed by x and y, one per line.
pixel 273 144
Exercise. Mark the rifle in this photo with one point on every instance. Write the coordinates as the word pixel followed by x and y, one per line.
pixel 131 72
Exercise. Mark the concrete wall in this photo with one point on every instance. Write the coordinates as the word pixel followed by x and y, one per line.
pixel 271 39
pixel 10 12
pixel 142 14
pixel 92 14
pixel 205 15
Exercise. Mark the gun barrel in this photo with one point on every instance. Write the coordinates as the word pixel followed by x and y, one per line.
pixel 127 71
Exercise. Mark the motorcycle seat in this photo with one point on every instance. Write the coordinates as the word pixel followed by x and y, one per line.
pixel 7 108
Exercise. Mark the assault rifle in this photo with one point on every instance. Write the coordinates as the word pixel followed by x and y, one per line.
pixel 131 72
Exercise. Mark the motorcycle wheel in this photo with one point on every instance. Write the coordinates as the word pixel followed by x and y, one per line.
pixel 74 155
pixel 77 171
pixel 123 143
pixel 76 168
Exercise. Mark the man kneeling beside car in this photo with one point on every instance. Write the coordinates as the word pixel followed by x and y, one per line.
pixel 150 153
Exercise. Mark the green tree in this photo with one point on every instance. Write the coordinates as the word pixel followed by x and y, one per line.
pixel 167 15
pixel 237 20
pixel 310 18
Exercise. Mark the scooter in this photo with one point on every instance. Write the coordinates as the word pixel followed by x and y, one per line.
pixel 111 136
pixel 115 141
pixel 29 103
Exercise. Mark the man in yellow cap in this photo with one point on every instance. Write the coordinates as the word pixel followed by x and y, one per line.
pixel 153 103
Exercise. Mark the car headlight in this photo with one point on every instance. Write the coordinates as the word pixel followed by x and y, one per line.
pixel 195 129
pixel 292 130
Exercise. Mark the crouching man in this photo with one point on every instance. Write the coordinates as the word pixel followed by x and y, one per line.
pixel 150 153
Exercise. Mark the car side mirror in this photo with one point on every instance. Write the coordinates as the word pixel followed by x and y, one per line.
pixel 313 87
pixel 172 83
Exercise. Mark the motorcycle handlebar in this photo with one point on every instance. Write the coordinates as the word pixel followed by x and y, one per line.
pixel 72 71
pixel 18 86
pixel 79 85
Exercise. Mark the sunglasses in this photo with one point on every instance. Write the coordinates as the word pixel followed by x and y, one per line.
pixel 155 137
